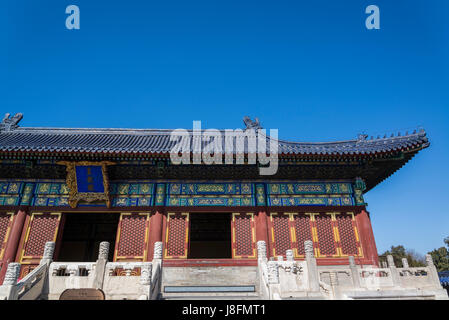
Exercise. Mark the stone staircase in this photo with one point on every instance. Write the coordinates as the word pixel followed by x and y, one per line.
pixel 211 283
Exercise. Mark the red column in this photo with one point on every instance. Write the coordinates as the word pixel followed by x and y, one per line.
pixel 13 242
pixel 367 237
pixel 156 222
pixel 262 229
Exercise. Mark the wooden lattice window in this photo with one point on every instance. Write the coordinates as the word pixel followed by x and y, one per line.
pixel 243 235
pixel 280 233
pixel 177 235
pixel 132 237
pixel 302 231
pixel 5 226
pixel 326 236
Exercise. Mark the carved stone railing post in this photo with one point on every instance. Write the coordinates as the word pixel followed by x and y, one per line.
pixel 100 267
pixel 103 253
pixel 312 269
pixel 289 255
pixel 404 263
pixel 145 280
pixel 433 271
pixel 12 274
pixel 157 250
pixel 273 280
pixel 354 272
pixel 156 273
pixel 47 259
pixel 8 291
pixel 145 274
pixel 261 250
pixel 49 250
pixel 394 271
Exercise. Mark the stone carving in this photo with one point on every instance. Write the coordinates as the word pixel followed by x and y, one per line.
pixel 290 267
pixel 280 258
pixel 145 273
pixel 12 274
pixel 250 124
pixel 73 270
pixel 308 249
pixel 10 123
pixel 262 250
pixel 104 251
pixel 157 250
pixel 49 250
pixel 273 272
pixel 333 279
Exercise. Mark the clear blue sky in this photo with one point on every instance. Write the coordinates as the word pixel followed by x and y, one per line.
pixel 309 68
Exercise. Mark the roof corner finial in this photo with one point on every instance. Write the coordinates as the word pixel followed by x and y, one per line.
pixel 250 124
pixel 10 123
pixel 362 137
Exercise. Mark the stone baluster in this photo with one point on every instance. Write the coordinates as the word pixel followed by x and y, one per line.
pixel 49 250
pixel 404 263
pixel 12 274
pixel 354 272
pixel 145 280
pixel 73 270
pixel 8 291
pixel 394 271
pixel 433 271
pixel 157 254
pixel 100 268
pixel 103 253
pixel 156 276
pixel 261 250
pixel 312 268
pixel 289 255
pixel 145 273
pixel 47 259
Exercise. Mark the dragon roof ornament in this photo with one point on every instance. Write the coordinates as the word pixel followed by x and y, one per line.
pixel 10 123
pixel 250 124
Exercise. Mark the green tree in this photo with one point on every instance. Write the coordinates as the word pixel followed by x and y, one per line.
pixel 440 257
pixel 398 252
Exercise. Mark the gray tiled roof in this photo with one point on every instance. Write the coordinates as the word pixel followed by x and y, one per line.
pixel 23 139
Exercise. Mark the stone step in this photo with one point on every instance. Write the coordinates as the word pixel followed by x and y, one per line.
pixel 210 296
pixel 209 289
pixel 209 276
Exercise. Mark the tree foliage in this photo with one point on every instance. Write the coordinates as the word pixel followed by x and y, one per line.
pixel 440 257
pixel 398 252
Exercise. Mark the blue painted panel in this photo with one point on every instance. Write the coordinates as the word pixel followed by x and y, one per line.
pixel 89 179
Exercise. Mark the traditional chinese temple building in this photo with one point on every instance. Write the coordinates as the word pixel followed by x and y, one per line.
pixel 77 188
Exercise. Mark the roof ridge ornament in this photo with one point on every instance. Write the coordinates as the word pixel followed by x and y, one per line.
pixel 10 123
pixel 361 137
pixel 250 124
